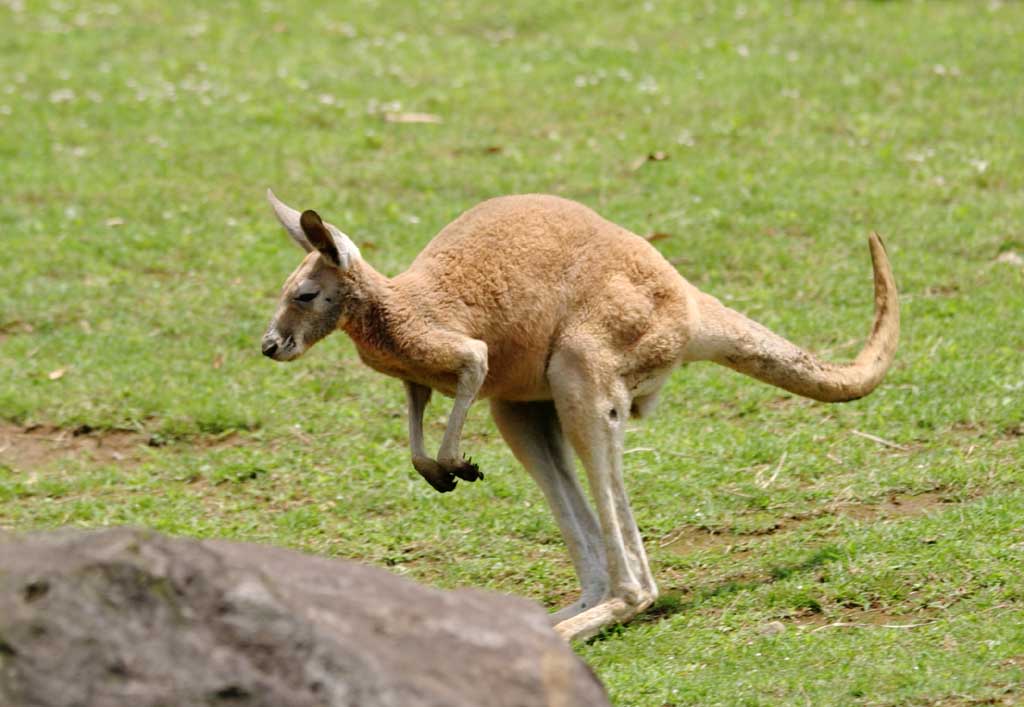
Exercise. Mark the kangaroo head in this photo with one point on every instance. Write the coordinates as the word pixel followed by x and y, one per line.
pixel 313 299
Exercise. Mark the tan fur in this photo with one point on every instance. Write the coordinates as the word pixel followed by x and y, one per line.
pixel 568 323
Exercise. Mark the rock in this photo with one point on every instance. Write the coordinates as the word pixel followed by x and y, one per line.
pixel 772 628
pixel 130 617
pixel 1010 257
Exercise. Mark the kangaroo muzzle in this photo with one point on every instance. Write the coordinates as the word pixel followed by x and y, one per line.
pixel 279 348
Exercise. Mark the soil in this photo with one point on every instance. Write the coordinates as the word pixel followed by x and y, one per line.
pixel 690 539
pixel 28 448
pixel 850 618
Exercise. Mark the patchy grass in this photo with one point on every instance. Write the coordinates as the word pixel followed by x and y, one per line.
pixel 762 139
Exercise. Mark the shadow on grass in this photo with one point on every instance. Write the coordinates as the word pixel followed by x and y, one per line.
pixel 674 602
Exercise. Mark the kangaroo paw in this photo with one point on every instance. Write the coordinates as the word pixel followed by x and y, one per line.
pixel 442 479
pixel 467 470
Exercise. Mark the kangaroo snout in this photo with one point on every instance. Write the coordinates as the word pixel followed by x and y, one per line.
pixel 279 347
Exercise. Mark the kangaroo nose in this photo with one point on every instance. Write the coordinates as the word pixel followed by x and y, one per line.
pixel 269 348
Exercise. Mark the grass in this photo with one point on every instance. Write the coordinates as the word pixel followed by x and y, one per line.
pixel 140 265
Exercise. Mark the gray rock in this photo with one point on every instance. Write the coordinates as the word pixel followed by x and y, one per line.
pixel 130 617
pixel 772 628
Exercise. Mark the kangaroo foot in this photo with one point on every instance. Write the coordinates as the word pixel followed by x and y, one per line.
pixel 437 476
pixel 442 475
pixel 465 470
pixel 615 610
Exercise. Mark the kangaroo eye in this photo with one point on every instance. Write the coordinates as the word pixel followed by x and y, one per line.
pixel 307 297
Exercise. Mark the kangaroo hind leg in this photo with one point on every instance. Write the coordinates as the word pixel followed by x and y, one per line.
pixel 534 435
pixel 593 404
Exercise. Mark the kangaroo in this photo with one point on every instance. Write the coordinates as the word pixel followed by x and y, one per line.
pixel 568 324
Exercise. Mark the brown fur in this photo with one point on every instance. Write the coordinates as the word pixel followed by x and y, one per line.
pixel 528 299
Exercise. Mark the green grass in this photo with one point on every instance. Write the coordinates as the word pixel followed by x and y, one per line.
pixel 138 256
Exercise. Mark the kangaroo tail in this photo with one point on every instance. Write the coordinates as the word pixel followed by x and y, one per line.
pixel 727 337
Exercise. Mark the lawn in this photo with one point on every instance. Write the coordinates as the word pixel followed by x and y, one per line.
pixel 866 553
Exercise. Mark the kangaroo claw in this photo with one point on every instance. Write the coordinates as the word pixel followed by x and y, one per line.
pixel 467 470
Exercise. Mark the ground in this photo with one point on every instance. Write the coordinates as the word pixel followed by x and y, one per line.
pixel 866 553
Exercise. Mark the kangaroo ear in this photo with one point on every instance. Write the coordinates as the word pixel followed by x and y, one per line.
pixel 337 247
pixel 320 237
pixel 289 218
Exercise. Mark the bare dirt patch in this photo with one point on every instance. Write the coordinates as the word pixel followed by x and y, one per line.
pixel 895 506
pixel 27 448
pixel 863 618
pixel 37 446
pixel 1014 432
pixel 14 327
pixel 690 539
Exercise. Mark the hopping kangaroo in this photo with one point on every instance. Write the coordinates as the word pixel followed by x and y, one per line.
pixel 569 325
